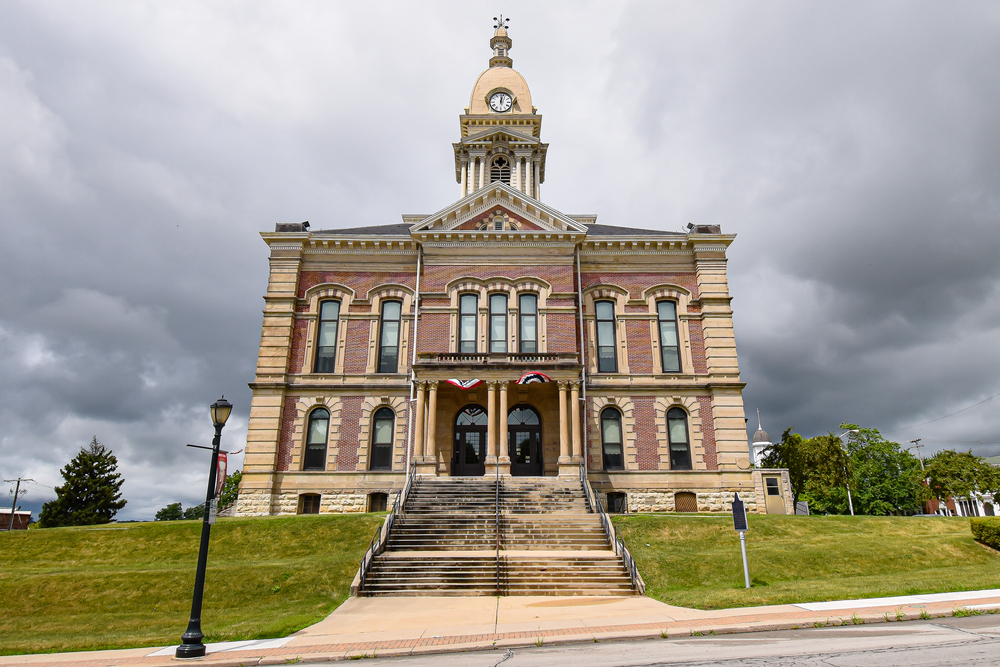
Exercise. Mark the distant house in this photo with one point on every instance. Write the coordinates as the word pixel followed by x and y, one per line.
pixel 21 519
pixel 977 504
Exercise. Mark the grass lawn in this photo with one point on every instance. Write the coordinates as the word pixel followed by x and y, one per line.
pixel 128 585
pixel 694 561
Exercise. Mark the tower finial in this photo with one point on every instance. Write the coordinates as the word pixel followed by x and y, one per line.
pixel 500 43
pixel 758 420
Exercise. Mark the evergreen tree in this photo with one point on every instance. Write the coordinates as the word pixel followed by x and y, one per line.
pixel 91 494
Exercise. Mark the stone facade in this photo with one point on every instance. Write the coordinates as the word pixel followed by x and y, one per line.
pixel 365 328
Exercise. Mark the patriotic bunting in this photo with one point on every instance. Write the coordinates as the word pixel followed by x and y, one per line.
pixel 465 384
pixel 532 378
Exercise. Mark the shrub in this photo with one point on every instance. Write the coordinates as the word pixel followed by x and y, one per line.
pixel 986 530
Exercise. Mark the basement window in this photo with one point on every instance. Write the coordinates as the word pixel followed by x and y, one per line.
pixel 617 503
pixel 378 502
pixel 309 503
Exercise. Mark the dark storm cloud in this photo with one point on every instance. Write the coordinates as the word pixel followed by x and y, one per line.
pixel 852 146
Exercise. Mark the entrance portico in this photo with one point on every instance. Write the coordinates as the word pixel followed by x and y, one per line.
pixel 530 429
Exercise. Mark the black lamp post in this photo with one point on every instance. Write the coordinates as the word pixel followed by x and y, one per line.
pixel 192 645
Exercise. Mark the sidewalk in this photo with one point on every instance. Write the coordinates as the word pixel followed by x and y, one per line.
pixel 415 625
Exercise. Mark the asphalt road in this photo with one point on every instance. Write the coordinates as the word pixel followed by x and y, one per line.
pixel 970 641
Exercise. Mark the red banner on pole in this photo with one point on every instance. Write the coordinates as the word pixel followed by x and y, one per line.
pixel 220 477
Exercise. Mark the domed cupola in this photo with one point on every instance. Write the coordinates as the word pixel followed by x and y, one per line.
pixel 501 129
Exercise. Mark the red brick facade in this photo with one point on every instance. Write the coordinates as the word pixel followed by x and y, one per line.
pixel 286 434
pixel 647 454
pixel 708 431
pixel 350 432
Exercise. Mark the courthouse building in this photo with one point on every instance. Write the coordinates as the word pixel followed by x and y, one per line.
pixel 499 335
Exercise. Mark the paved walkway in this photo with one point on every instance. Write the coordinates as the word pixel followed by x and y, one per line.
pixel 402 626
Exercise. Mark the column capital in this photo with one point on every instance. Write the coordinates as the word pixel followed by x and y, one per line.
pixel 431 384
pixel 420 384
pixel 494 384
pixel 563 385
pixel 575 386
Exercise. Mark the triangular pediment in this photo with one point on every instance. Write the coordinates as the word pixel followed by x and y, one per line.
pixel 468 213
pixel 507 134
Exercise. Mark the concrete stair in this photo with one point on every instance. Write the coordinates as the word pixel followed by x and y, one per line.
pixel 444 542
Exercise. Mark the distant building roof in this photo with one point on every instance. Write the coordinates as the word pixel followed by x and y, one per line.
pixel 398 229
pixel 761 436
pixel 611 230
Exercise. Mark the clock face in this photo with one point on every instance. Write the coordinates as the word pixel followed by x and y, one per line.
pixel 500 101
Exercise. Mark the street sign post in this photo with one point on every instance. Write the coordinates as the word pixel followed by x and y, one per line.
pixel 740 524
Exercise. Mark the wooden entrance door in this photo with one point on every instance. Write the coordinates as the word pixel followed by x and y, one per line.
pixel 469 457
pixel 774 501
pixel 524 441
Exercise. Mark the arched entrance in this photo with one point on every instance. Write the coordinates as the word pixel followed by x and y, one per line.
pixel 524 441
pixel 469 457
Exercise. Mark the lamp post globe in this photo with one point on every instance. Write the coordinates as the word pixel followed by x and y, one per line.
pixel 192 641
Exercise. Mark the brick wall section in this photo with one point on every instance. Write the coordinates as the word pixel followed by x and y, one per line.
pixel 708 431
pixel 434 332
pixel 360 281
pixel 647 450
pixel 286 435
pixel 697 346
pixel 636 283
pixel 640 350
pixel 561 332
pixel 436 277
pixel 350 431
pixel 298 361
pixel 356 352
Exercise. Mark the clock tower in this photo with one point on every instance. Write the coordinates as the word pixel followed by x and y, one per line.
pixel 500 129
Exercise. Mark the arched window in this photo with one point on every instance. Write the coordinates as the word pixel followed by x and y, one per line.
pixel 326 340
pixel 611 439
pixel 528 314
pixel 498 322
pixel 677 433
pixel 467 313
pixel 666 314
pixel 607 359
pixel 500 170
pixel 382 431
pixel 388 356
pixel 316 435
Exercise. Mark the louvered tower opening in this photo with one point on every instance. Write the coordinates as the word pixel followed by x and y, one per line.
pixel 500 171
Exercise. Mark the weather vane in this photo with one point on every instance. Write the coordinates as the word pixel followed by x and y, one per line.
pixel 501 22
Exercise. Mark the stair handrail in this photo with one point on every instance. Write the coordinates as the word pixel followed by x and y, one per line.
pixel 617 544
pixel 496 508
pixel 381 536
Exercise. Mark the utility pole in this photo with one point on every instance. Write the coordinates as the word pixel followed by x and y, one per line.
pixel 916 444
pixel 17 492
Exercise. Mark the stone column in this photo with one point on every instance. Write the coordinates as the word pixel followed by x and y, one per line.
pixel 527 175
pixel 482 171
pixel 465 177
pixel 537 180
pixel 418 429
pixel 502 448
pixel 565 462
pixel 515 174
pixel 430 443
pixel 491 420
pixel 574 397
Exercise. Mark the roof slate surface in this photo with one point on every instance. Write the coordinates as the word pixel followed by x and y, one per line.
pixel 400 228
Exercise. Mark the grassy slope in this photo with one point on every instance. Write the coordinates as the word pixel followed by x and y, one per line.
pixel 695 561
pixel 125 585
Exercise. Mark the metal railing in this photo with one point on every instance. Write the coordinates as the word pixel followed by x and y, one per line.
pixel 497 523
pixel 498 357
pixel 617 544
pixel 381 536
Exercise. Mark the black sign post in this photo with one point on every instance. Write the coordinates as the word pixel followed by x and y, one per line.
pixel 740 524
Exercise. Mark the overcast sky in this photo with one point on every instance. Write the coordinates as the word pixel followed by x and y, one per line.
pixel 854 147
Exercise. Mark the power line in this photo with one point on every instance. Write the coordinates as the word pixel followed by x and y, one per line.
pixel 13 504
pixel 896 430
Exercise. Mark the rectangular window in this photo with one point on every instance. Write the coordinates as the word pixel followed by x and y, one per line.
pixel 498 323
pixel 666 313
pixel 528 314
pixel 388 355
pixel 606 357
pixel 772 486
pixel 467 313
pixel 382 438
pixel 326 340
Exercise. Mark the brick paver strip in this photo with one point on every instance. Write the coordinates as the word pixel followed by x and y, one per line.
pixel 749 622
